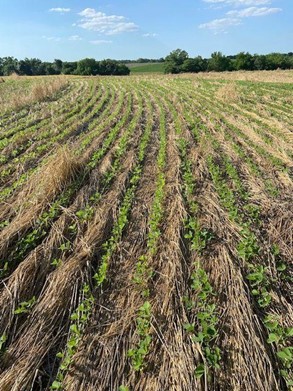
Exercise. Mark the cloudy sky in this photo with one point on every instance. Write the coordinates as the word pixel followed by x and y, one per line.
pixel 128 29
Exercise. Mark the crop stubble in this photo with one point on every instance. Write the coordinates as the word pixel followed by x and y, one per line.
pixel 172 179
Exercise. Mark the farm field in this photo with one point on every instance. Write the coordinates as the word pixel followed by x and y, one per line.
pixel 146 68
pixel 146 232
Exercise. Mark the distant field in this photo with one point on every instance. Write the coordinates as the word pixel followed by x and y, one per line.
pixel 146 232
pixel 146 68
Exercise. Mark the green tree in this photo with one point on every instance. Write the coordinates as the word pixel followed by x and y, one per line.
pixel 197 64
pixel 244 61
pixel 219 63
pixel 112 67
pixel 87 67
pixel 123 70
pixel 277 60
pixel 31 66
pixel 24 68
pixel 49 68
pixel 9 65
pixel 175 60
pixel 69 68
pixel 58 66
pixel 260 62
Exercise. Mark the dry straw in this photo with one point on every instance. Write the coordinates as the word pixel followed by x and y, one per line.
pixel 229 93
pixel 39 91
pixel 38 192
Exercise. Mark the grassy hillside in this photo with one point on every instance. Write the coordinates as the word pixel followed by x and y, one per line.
pixel 147 68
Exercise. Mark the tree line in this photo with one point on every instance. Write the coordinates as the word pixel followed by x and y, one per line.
pixel 85 67
pixel 142 60
pixel 179 61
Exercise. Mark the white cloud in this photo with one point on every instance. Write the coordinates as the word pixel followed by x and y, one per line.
pixel 100 42
pixel 220 25
pixel 238 3
pixel 150 35
pixel 253 11
pixel 61 10
pixel 75 38
pixel 235 16
pixel 105 24
pixel 88 12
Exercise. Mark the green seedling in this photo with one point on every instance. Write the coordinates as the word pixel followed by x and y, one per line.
pixel 143 324
pixel 56 262
pixel 85 214
pixel 204 331
pixel 248 247
pixel 25 306
pixel 65 246
pixel 259 282
pixel 3 339
pixel 79 320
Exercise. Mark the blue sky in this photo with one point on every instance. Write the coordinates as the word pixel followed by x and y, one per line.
pixel 128 29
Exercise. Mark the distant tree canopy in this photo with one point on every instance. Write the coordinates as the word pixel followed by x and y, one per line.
pixel 142 60
pixel 179 61
pixel 176 62
pixel 219 63
pixel 87 66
